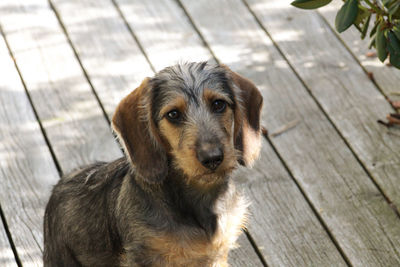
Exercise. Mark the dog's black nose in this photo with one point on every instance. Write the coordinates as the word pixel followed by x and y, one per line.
pixel 211 157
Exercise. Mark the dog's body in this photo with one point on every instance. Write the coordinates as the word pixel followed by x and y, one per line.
pixel 171 201
pixel 166 225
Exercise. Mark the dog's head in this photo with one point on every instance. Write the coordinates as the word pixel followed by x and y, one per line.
pixel 197 118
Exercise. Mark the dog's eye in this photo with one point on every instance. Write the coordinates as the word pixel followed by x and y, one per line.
pixel 173 115
pixel 218 106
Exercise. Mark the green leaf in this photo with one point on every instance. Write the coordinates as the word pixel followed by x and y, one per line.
pixel 394 42
pixel 396 31
pixel 393 9
pixel 310 4
pixel 395 61
pixel 346 15
pixel 365 28
pixel 386 2
pixel 396 14
pixel 394 57
pixel 361 16
pixel 381 42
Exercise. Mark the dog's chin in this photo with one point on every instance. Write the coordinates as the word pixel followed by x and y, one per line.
pixel 201 176
pixel 208 178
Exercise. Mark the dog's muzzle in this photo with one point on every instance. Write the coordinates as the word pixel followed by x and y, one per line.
pixel 210 156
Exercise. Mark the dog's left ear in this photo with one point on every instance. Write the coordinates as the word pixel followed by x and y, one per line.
pixel 247 118
pixel 139 136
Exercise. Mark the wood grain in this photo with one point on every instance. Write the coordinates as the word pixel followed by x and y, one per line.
pixel 275 218
pixel 281 222
pixel 6 254
pixel 164 31
pixel 107 50
pixel 340 86
pixel 70 114
pixel 244 254
pixel 357 215
pixel 27 170
pixel 388 78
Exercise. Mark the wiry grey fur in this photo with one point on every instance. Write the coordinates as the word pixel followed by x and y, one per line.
pixel 103 214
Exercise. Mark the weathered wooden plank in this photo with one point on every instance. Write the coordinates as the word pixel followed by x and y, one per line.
pixel 340 86
pixel 71 117
pixel 109 54
pixel 27 170
pixel 7 258
pixel 164 32
pixel 281 222
pixel 387 78
pixel 357 215
pixel 283 227
pixel 244 254
pixel 70 114
pixel 113 61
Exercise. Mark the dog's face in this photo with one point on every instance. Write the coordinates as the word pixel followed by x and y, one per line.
pixel 196 118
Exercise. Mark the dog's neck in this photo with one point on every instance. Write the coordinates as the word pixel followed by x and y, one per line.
pixel 183 203
pixel 193 202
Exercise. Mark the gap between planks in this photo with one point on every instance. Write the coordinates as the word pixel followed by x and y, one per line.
pixel 3 222
pixel 305 85
pixel 268 139
pixel 46 139
pixel 133 35
pixel 378 87
pixel 361 172
pixel 203 38
pixel 79 60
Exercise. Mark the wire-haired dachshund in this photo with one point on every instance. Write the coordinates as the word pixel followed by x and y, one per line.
pixel 171 201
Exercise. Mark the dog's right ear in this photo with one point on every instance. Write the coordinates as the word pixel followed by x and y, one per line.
pixel 139 136
pixel 247 118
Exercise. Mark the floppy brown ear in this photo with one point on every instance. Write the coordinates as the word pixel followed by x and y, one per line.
pixel 247 118
pixel 138 135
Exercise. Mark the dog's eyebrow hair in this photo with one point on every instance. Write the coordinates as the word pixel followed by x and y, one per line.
pixel 178 103
pixel 189 80
pixel 191 96
pixel 218 77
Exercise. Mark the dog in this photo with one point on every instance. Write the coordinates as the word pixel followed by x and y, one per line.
pixel 171 200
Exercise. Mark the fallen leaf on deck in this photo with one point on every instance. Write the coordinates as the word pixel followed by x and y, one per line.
pixel 395 104
pixel 285 127
pixel 393 119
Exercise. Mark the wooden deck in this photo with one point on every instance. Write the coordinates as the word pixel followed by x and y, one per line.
pixel 325 192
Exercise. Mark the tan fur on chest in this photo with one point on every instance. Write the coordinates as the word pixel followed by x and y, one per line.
pixel 191 248
pixel 181 251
